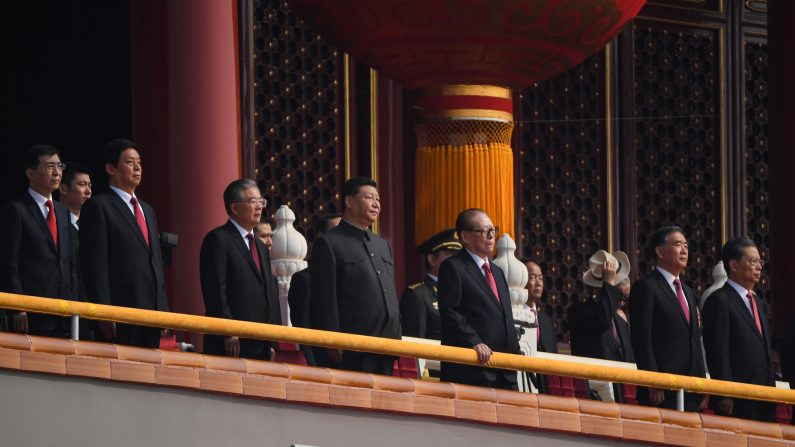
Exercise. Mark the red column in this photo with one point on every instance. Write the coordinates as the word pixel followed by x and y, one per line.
pixel 186 119
pixel 781 103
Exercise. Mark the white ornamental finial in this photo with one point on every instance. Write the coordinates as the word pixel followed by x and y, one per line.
pixel 287 255
pixel 516 275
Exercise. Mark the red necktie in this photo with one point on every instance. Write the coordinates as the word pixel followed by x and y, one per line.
pixel 253 247
pixel 682 301
pixel 752 299
pixel 139 217
pixel 491 281
pixel 51 221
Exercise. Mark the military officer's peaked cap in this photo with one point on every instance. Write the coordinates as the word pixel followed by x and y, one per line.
pixel 443 240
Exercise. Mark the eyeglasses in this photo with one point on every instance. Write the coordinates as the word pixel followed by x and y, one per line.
pixel 486 233
pixel 255 201
pixel 51 167
pixel 754 262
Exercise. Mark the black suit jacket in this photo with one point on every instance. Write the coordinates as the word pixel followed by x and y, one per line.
pixel 736 351
pixel 234 288
pixel 591 323
pixel 118 267
pixel 419 310
pixel 353 290
pixel 30 262
pixel 662 340
pixel 298 298
pixel 548 342
pixel 471 315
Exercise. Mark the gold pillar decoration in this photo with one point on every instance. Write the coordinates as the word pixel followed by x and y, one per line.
pixel 464 157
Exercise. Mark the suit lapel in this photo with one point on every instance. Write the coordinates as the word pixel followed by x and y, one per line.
pixel 238 242
pixel 739 305
pixel 64 230
pixel 480 278
pixel 667 291
pixel 128 217
pixel 35 211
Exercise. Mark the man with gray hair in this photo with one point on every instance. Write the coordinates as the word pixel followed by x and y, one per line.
pixel 475 304
pixel 235 272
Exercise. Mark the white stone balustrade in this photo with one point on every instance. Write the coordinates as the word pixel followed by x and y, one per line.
pixel 287 256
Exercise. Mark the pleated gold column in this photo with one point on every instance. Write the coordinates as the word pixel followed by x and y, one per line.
pixel 464 158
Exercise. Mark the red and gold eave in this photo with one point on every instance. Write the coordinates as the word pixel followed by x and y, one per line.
pixel 510 43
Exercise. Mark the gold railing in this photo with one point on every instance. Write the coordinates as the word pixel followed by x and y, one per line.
pixel 314 337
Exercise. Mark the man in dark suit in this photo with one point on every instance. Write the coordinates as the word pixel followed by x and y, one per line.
pixel 235 271
pixel 737 332
pixel 475 304
pixel 36 255
pixel 664 319
pixel 593 322
pixel 353 280
pixel 299 295
pixel 596 329
pixel 419 306
pixel 76 189
pixel 120 248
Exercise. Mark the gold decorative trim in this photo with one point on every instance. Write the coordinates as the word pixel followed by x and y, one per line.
pixel 470 114
pixel 759 6
pixel 609 147
pixel 374 133
pixel 467 90
pixel 346 72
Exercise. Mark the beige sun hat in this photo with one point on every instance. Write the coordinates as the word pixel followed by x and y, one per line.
pixel 593 277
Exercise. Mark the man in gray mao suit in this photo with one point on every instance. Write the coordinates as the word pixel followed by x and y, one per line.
pixel 353 280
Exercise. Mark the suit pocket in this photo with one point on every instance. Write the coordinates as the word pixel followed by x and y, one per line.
pixel 389 266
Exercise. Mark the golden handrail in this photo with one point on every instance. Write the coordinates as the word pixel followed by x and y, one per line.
pixel 353 342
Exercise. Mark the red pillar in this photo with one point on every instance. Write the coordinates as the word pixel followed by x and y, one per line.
pixel 781 113
pixel 186 119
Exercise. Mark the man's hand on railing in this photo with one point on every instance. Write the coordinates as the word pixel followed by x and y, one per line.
pixel 20 322
pixel 484 352
pixel 334 354
pixel 108 329
pixel 232 346
pixel 656 396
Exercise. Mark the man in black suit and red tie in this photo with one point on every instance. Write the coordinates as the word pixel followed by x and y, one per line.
pixel 36 255
pixel 235 270
pixel 120 248
pixel 664 319
pixel 737 332
pixel 475 304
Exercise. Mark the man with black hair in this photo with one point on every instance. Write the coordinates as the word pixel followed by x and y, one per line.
pixel 120 248
pixel 737 332
pixel 36 253
pixel 75 190
pixel 264 232
pixel 419 305
pixel 664 319
pixel 299 296
pixel 353 280
pixel 235 271
pixel 475 304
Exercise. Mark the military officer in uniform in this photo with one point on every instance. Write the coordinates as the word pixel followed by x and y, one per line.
pixel 419 308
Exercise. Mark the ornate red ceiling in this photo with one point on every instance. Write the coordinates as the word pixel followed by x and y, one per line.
pixel 511 43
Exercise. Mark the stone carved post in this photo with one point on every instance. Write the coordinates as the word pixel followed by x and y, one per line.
pixel 516 275
pixel 287 256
